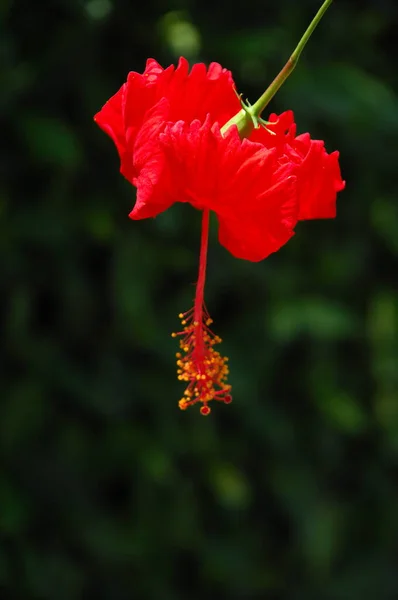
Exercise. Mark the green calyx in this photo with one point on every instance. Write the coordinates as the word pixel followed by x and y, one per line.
pixel 248 118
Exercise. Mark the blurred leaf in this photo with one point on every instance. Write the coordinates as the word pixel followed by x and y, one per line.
pixel 14 512
pixel 230 486
pixel 344 412
pixel 316 317
pixel 51 141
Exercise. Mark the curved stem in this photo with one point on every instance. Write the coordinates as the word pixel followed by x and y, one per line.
pixel 270 92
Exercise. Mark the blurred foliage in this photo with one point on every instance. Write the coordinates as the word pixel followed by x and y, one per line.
pixel 107 490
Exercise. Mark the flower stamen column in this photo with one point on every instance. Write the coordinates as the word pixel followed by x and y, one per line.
pixel 198 364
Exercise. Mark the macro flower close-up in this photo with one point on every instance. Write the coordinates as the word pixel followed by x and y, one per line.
pixel 167 126
pixel 199 384
pixel 186 136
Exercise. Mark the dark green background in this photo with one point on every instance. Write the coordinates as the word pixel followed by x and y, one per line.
pixel 107 490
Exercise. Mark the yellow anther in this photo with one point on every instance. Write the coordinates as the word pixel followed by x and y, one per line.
pixel 202 368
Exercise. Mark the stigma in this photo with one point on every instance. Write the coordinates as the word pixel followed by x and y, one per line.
pixel 203 369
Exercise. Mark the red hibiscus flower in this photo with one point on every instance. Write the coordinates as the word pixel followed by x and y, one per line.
pixel 184 136
pixel 166 125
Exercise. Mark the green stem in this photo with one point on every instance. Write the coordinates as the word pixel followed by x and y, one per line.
pixel 270 92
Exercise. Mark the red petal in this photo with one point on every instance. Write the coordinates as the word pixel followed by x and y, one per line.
pixel 318 173
pixel 191 95
pixel 111 120
pixel 141 96
pixel 149 159
pixel 253 196
pixel 266 216
pixel 318 179
pixel 280 125
pixel 254 237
